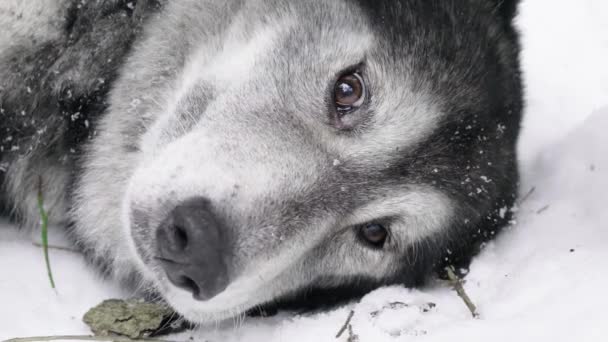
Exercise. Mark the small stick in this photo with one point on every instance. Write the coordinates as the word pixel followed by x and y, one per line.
pixel 543 209
pixel 527 195
pixel 352 337
pixel 82 338
pixel 44 217
pixel 346 323
pixel 455 282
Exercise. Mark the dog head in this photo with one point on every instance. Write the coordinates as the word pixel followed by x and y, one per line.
pixel 322 145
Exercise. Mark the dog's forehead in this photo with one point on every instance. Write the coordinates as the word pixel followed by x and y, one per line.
pixel 287 44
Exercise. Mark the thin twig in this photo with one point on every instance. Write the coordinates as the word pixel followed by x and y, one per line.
pixel 543 209
pixel 82 338
pixel 346 324
pixel 58 248
pixel 44 219
pixel 455 282
pixel 352 337
pixel 527 195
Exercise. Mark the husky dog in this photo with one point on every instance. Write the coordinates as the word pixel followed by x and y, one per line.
pixel 227 154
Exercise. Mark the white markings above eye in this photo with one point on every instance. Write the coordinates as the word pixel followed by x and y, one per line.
pixel 418 212
pixel 239 51
pixel 412 212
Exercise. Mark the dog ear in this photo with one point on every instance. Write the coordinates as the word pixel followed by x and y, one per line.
pixel 507 9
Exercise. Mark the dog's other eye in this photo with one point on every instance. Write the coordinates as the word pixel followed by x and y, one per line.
pixel 349 92
pixel 373 233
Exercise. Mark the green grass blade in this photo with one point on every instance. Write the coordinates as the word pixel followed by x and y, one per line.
pixel 44 219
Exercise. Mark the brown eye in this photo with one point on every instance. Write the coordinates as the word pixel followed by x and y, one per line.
pixel 349 92
pixel 373 233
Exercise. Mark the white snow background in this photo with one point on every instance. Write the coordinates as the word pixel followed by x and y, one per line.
pixel 544 279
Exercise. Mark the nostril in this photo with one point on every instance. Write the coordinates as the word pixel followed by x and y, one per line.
pixel 189 285
pixel 180 238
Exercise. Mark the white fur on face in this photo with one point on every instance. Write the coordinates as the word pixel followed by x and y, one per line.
pixel 402 119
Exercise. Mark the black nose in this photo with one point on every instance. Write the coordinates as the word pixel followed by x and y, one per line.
pixel 192 249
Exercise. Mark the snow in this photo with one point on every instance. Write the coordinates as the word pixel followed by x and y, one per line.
pixel 544 279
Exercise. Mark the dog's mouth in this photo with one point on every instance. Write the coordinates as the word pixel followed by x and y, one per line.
pixel 191 297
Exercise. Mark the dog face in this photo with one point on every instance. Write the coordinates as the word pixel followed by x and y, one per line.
pixel 321 145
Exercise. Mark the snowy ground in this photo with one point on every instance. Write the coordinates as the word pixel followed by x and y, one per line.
pixel 545 279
